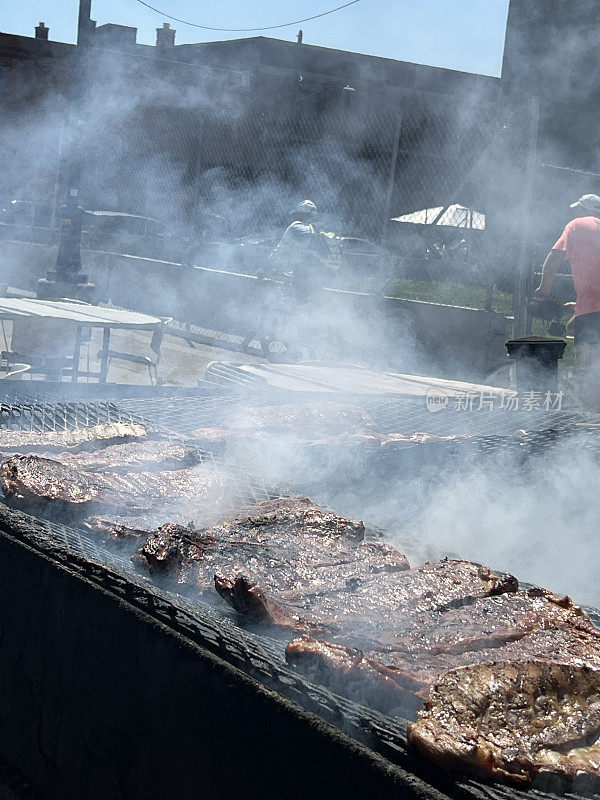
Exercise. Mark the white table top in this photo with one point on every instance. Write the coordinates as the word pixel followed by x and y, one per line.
pixel 358 380
pixel 79 313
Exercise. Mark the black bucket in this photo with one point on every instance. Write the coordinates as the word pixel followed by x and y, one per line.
pixel 536 359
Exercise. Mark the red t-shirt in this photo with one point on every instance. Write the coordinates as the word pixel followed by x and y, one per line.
pixel 580 242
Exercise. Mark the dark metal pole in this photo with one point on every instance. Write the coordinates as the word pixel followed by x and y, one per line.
pixel 391 180
pixel 525 210
pixel 104 358
pixel 76 355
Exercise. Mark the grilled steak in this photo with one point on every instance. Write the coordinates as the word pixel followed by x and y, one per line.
pixel 142 456
pixel 305 568
pixel 290 516
pixel 289 543
pixel 513 721
pixel 368 604
pixel 487 622
pixel 90 438
pixel 302 421
pixel 33 479
pixel 399 678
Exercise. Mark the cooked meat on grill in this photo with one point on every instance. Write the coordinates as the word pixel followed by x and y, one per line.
pixel 124 526
pixel 90 438
pixel 176 549
pixel 211 438
pixel 289 543
pixel 401 679
pixel 291 516
pixel 487 622
pixel 368 604
pixel 307 568
pixel 513 721
pixel 299 421
pixel 34 479
pixel 324 423
pixel 421 438
pixel 304 419
pixel 142 456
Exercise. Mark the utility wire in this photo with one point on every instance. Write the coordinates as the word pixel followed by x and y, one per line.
pixel 245 30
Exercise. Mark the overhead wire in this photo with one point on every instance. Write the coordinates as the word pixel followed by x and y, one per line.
pixel 246 30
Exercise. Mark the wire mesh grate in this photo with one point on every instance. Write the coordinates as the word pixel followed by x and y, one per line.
pixel 38 415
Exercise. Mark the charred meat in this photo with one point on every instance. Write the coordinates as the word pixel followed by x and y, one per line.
pixel 514 721
pixel 28 480
pixel 487 622
pixel 89 438
pixel 35 479
pixel 402 679
pixel 299 421
pixel 306 569
pixel 371 603
pixel 176 549
pixel 289 543
pixel 132 457
pixel 290 516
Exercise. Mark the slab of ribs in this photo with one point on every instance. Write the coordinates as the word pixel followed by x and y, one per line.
pixel 329 423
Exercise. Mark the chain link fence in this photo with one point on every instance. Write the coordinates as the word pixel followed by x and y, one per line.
pixel 417 189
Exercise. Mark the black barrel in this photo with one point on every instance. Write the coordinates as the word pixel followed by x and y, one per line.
pixel 536 359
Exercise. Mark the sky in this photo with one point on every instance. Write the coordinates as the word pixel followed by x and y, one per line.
pixel 465 35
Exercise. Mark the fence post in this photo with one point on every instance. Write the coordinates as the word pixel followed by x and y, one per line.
pixel 198 158
pixel 391 180
pixel 523 281
pixel 56 193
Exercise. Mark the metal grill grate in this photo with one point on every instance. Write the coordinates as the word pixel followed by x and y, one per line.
pixel 391 415
pixel 181 414
pixel 20 414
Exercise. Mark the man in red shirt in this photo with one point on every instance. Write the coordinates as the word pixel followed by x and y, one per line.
pixel 579 243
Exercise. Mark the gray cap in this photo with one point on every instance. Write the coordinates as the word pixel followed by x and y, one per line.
pixel 590 202
pixel 308 207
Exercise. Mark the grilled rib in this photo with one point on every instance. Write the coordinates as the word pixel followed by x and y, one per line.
pixel 89 438
pixel 27 480
pixel 134 456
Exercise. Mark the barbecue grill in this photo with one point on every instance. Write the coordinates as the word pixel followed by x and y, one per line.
pixel 380 739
